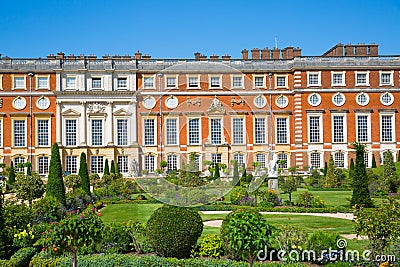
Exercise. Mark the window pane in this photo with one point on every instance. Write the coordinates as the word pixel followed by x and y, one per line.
pixel 259 130
pixel 123 164
pixel 238 131
pixel 122 132
pixel 43 163
pixel 281 130
pixel 19 82
pixel 43 132
pixel 122 83
pixel 315 160
pixel 387 130
pixel 96 164
pixel 281 81
pixel 97 132
pixel 171 82
pixel 338 129
pixel 149 132
pixel 339 159
pixel 70 132
pixel 282 161
pixel 237 81
pixel 261 159
pixel 171 132
pixel 314 129
pixel 43 82
pixel 96 83
pixel 215 82
pixel 71 164
pixel 149 163
pixel 362 128
pixel 71 82
pixel 19 133
pixel 17 161
pixel 148 82
pixel 194 131
pixel 216 131
pixel 259 81
pixel 239 158
pixel 172 162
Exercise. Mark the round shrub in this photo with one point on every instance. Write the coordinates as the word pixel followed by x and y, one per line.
pixel 211 246
pixel 173 231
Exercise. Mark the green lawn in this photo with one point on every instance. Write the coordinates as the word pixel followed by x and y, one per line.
pixel 331 198
pixel 129 211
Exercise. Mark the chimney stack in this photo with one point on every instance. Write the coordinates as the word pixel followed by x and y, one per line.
pixel 61 55
pixel 214 57
pixel 296 52
pixel 146 57
pixel 276 53
pixel 138 55
pixel 197 56
pixel 245 54
pixel 265 53
pixel 255 53
pixel 226 57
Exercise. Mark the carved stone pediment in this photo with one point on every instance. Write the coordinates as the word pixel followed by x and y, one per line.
pixel 96 108
pixel 71 112
pixel 216 107
pixel 122 112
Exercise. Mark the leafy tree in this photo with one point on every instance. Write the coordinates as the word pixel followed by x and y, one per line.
pixel 398 157
pixel 244 233
pixel 315 178
pixel 289 186
pixel 117 172
pixel 325 170
pixel 112 168
pixel 216 171
pixel 373 164
pixel 72 181
pixel 76 231
pixel 4 239
pixel 11 174
pixel 55 184
pixel 190 174
pixel 106 168
pixel 29 187
pixel 83 173
pixel 235 176
pixel 163 164
pixel 244 173
pixel 28 166
pixel 390 180
pixel 351 171
pixel 331 177
pixel 360 180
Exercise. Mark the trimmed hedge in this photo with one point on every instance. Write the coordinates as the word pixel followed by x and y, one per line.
pixel 274 209
pixel 21 258
pixel 149 261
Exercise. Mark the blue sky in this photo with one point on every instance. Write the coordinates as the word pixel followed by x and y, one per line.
pixel 177 29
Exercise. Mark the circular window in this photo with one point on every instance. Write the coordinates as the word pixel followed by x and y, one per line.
pixel 171 102
pixel 260 101
pixel 282 101
pixel 387 99
pixel 362 99
pixel 338 99
pixel 149 102
pixel 43 103
pixel 314 99
pixel 19 103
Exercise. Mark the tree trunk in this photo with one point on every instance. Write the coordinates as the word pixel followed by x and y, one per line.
pixel 74 261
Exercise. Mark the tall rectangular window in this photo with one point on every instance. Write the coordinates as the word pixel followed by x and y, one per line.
pixel 19 133
pixel 96 83
pixel 362 128
pixel 149 131
pixel 216 132
pixel 387 128
pixel 43 132
pixel 17 161
pixel 239 158
pixel 149 162
pixel 122 132
pixel 71 165
pixel 260 158
pixel 43 82
pixel 315 160
pixel 172 162
pixel 70 132
pixel 171 125
pixel 259 130
pixel 194 131
pixel 123 164
pixel 338 129
pixel 43 165
pixel 314 126
pixel 281 131
pixel 97 132
pixel 96 164
pixel 339 159
pixel 238 131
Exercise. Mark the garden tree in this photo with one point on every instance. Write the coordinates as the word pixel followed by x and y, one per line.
pixel 289 186
pixel 112 168
pixel 117 172
pixel 398 157
pixel 315 178
pixel 4 240
pixel 390 181
pixel 75 231
pixel 106 168
pixel 360 180
pixel 11 174
pixel 190 174
pixel 381 226
pixel 331 175
pixel 235 176
pixel 244 233
pixel 28 166
pixel 244 173
pixel 83 173
pixel 373 164
pixel 340 176
pixel 55 184
pixel 163 164
pixel 173 231
pixel 72 181
pixel 216 171
pixel 29 187
pixel 325 170
pixel 351 171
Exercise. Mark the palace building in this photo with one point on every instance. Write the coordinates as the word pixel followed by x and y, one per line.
pixel 139 111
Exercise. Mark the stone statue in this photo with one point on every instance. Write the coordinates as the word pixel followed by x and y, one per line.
pixel 272 171
pixel 135 168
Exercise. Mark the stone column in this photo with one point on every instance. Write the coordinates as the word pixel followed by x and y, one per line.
pixel 84 126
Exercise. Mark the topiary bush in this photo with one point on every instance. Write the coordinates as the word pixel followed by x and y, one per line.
pixel 322 242
pixel 211 246
pixel 173 231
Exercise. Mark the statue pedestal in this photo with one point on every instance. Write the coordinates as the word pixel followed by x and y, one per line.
pixel 273 183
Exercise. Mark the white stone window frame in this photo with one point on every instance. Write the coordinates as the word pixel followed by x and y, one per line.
pixel 1 131
pixel 321 128
pixel 368 115
pixel 101 88
pixel 284 105
pixel 317 103
pixel 263 76
pixel 149 86
pixel 64 137
pixel 103 132
pixel 155 156
pixel 188 77
pixel 210 129
pixel 393 125
pixel 313 73
pixel 38 164
pixel 169 76
pixel 210 77
pixel 176 161
pixel 343 99
pixel 127 82
pixel 199 132
pixel 71 88
pixel 24 87
pixel 285 76
pixel 389 94
pixel 242 81
pixel 343 74
pixel 176 118
pixel 244 129
pixel 49 131
pixel 25 131
pixel 339 114
pixel 265 130
pixel 41 76
pixel 154 134
pixel 287 130
pixel 366 96
pixel 345 158
pixel 1 81
pixel 321 160
pixel 366 79
pixel 391 82
pixel 128 125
